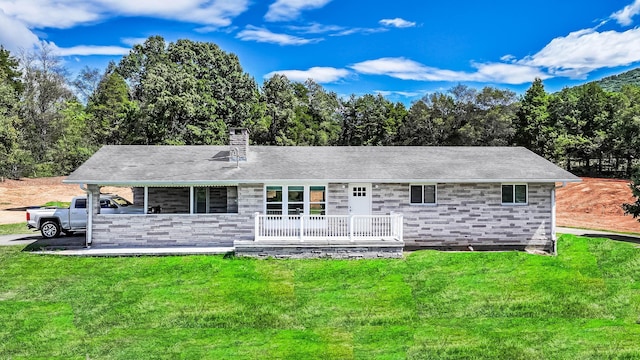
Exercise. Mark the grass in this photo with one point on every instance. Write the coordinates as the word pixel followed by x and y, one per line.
pixel 582 304
pixel 57 204
pixel 18 228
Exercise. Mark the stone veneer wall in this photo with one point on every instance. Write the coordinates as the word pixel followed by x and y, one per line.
pixel 181 229
pixel 470 214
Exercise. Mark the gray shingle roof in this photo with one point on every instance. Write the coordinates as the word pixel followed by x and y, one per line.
pixel 184 165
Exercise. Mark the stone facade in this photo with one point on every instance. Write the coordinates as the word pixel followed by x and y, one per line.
pixel 167 229
pixel 471 215
pixel 464 215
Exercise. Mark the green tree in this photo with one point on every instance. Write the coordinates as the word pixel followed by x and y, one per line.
pixel 534 127
pixel 633 209
pixel 187 92
pixel 44 93
pixel 9 136
pixel 366 121
pixel 625 134
pixel 280 101
pixel 317 117
pixel 112 113
pixel 489 118
pixel 72 146
pixel 9 65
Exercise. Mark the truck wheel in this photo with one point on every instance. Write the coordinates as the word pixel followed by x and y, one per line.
pixel 50 229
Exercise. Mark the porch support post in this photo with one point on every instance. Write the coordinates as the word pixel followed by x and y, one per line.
pixel 146 200
pixel 191 196
pixel 256 226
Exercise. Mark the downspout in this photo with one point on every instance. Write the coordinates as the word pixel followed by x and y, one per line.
pixel 553 217
pixel 89 231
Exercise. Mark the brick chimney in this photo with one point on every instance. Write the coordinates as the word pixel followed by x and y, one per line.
pixel 238 144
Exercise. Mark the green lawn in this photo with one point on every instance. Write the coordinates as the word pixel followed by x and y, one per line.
pixel 19 228
pixel 583 304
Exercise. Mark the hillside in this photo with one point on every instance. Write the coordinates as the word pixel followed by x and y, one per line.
pixel 614 83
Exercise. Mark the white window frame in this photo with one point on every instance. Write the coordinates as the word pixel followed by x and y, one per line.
pixel 513 200
pixel 435 194
pixel 307 198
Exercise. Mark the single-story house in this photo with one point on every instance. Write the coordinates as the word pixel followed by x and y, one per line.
pixel 334 201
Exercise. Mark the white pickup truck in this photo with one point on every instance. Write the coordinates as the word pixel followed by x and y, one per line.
pixel 53 221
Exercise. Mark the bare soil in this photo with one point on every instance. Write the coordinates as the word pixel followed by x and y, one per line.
pixel 16 195
pixel 596 204
pixel 591 204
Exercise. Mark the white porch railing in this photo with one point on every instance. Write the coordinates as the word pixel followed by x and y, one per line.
pixel 328 227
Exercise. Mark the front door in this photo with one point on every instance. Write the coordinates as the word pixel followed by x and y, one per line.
pixel 360 199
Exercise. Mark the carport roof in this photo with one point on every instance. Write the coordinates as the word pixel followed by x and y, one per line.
pixel 141 165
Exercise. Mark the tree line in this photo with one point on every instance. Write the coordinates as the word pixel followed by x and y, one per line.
pixel 190 93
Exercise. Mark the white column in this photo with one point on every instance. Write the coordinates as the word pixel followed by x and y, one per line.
pixel 191 198
pixel 146 200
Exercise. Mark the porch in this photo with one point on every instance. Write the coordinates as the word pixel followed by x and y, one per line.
pixel 318 236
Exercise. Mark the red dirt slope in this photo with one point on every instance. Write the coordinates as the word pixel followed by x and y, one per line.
pixel 596 204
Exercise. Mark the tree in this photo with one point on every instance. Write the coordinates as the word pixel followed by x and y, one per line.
pixel 187 92
pixel 9 65
pixel 535 129
pixel 112 113
pixel 72 147
pixel 86 82
pixel 9 137
pixel 633 209
pixel 280 100
pixel 44 94
pixel 489 118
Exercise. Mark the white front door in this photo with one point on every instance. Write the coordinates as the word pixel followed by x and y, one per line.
pixel 360 199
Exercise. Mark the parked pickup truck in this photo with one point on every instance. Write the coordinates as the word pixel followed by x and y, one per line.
pixel 53 221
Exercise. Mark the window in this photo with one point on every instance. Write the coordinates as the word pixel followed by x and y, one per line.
pixel 299 200
pixel 317 200
pixel 295 200
pixel 215 200
pixel 423 194
pixel 514 193
pixel 81 204
pixel 274 200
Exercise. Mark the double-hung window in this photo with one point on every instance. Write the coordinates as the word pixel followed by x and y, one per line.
pixel 514 194
pixel 295 200
pixel 423 194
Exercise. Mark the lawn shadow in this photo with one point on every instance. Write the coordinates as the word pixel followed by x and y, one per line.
pixel 617 237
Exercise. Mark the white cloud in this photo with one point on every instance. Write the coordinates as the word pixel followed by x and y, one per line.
pixel 131 41
pixel 365 31
pixel 283 10
pixel 320 75
pixel 85 50
pixel 408 94
pixel 397 22
pixel 581 52
pixel 14 35
pixel 624 16
pixel 69 13
pixel 406 69
pixel 315 28
pixel 253 33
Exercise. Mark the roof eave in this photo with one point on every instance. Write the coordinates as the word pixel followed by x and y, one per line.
pixel 139 183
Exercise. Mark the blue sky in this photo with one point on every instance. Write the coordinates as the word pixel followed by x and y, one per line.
pixel 402 48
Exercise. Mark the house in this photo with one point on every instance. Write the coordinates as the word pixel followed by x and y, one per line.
pixel 324 201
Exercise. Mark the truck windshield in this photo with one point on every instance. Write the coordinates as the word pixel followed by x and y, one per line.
pixel 120 201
